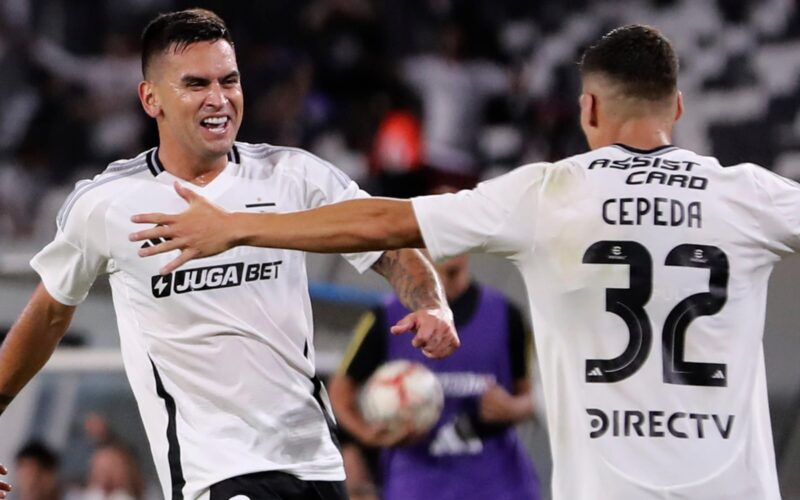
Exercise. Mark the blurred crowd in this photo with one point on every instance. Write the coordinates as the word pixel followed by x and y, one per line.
pixel 400 94
pixel 112 471
pixel 397 93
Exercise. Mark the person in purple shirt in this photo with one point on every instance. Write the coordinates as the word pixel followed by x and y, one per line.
pixel 473 451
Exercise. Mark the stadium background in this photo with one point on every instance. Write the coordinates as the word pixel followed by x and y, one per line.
pixel 396 93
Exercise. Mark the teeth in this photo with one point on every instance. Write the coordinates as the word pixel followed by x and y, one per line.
pixel 218 120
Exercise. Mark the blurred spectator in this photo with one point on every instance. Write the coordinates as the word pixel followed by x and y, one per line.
pixel 37 473
pixel 454 89
pixel 109 80
pixel 114 474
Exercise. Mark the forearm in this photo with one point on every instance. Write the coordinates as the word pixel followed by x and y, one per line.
pixel 413 279
pixel 517 409
pixel 30 343
pixel 350 226
pixel 344 398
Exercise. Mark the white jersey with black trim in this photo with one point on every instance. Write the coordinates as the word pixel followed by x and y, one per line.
pixel 647 277
pixel 219 353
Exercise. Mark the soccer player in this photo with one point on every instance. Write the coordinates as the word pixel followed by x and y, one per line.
pixel 220 356
pixel 487 389
pixel 646 267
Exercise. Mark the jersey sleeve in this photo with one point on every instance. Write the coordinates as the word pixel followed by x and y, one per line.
pixel 326 184
pixel 497 217
pixel 69 265
pixel 368 348
pixel 784 197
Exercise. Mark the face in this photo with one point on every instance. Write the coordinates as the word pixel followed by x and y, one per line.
pixel 195 95
pixel 33 480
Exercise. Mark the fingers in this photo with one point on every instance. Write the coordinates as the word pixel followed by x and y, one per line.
pixel 182 259
pixel 185 193
pixel 166 246
pixel 4 487
pixel 151 234
pixel 152 218
pixel 436 338
pixel 404 325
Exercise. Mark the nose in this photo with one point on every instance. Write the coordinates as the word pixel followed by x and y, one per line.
pixel 216 97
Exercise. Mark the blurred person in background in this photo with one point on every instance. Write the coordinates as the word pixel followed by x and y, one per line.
pixel 37 469
pixel 454 88
pixel 114 474
pixel 473 452
pixel 221 359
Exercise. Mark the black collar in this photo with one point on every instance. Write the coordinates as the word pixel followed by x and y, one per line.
pixel 658 149
pixel 156 167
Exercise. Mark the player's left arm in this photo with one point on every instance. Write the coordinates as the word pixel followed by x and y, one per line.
pixel 417 286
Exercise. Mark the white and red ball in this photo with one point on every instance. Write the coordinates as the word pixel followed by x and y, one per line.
pixel 402 394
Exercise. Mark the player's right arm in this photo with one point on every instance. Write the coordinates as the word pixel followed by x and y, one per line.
pixel 485 219
pixel 31 342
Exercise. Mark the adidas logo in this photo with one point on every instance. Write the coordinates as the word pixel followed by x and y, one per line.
pixel 154 241
pixel 718 374
pixel 595 372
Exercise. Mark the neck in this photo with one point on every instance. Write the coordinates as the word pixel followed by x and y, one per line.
pixel 642 133
pixel 190 167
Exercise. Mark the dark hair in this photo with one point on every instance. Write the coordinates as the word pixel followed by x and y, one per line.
pixel 40 452
pixel 181 29
pixel 640 58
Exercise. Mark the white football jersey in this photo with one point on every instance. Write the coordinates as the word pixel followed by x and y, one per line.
pixel 219 353
pixel 647 277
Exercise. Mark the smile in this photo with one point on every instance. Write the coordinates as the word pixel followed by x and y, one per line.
pixel 215 123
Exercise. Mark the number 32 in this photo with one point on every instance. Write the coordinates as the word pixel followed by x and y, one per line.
pixel 628 304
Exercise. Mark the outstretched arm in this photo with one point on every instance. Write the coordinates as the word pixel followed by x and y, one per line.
pixel 417 286
pixel 351 226
pixel 31 342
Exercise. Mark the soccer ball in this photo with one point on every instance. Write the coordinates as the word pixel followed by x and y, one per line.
pixel 402 393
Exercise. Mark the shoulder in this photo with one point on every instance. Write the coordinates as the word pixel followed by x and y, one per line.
pixel 105 186
pixel 268 159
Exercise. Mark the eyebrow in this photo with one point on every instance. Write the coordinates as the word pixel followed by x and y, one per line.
pixel 192 79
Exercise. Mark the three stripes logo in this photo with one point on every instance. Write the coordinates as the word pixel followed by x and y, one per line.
pixel 595 372
pixel 154 241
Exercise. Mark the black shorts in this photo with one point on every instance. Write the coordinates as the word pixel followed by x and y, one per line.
pixel 274 485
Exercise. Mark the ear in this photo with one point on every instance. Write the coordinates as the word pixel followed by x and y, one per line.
pixel 149 99
pixel 588 104
pixel 679 106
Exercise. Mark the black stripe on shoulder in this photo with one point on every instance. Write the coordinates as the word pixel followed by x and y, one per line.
pixel 174 450
pixel 84 187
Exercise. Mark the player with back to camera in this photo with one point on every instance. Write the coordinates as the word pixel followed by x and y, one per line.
pixel 487 388
pixel 220 356
pixel 646 267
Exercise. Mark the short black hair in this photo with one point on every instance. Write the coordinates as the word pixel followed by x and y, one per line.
pixel 181 29
pixel 638 57
pixel 40 452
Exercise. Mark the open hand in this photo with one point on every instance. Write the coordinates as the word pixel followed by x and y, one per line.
pixel 201 230
pixel 435 332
